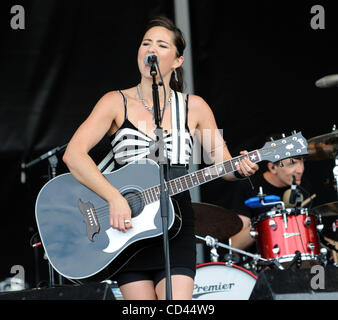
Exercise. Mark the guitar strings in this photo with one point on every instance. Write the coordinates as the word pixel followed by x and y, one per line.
pixel 136 199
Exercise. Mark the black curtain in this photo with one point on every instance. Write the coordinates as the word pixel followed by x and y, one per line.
pixel 52 74
pixel 254 63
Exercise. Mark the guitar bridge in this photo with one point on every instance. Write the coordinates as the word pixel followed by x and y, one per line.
pixel 89 216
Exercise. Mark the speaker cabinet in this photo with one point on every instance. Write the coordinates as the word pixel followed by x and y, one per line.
pixel 97 291
pixel 297 284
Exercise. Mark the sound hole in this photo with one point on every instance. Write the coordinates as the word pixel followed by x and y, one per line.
pixel 135 201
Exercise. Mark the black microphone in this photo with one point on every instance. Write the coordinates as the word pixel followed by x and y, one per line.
pixel 293 193
pixel 150 59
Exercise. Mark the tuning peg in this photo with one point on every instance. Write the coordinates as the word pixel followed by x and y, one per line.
pixel 293 132
pixel 281 164
pixel 283 135
pixel 271 139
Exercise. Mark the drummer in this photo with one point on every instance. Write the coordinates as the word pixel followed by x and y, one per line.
pixel 275 179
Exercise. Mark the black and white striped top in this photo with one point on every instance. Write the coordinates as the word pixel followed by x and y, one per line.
pixel 130 143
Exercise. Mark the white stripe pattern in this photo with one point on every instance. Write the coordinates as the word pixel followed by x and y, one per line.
pixel 130 144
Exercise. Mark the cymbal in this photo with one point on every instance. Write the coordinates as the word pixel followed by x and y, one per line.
pixel 215 221
pixel 329 213
pixel 327 209
pixel 323 147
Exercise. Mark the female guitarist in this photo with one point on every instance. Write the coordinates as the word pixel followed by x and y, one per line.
pixel 127 116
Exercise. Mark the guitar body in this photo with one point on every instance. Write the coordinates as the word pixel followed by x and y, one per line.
pixel 81 247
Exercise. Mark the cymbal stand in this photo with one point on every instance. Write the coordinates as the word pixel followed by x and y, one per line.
pixel 229 261
pixel 212 242
pixel 335 173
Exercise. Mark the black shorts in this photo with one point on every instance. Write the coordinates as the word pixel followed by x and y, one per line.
pixel 155 275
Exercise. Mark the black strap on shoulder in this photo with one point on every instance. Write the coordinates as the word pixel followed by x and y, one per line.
pixel 125 104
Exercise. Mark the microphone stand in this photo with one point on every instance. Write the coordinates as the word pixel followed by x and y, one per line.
pixel 46 155
pixel 164 197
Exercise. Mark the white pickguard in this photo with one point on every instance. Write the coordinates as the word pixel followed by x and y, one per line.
pixel 143 222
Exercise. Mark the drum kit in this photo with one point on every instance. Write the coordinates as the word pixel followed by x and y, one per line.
pixel 286 237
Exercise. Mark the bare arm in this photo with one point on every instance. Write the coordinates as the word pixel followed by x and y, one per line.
pixel 243 239
pixel 84 168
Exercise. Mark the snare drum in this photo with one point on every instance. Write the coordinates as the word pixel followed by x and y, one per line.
pixel 218 281
pixel 279 234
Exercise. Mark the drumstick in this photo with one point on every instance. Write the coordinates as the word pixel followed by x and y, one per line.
pixel 306 201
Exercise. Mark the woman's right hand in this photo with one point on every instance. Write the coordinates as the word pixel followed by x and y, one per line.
pixel 120 213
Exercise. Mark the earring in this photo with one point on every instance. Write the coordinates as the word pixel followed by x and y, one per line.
pixel 175 74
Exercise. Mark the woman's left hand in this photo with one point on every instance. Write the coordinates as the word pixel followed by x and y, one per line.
pixel 246 167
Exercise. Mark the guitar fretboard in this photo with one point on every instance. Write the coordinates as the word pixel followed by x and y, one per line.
pixel 198 177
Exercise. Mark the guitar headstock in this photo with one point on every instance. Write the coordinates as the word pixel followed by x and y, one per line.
pixel 294 145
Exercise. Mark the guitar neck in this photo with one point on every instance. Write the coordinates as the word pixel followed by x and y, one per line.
pixel 199 177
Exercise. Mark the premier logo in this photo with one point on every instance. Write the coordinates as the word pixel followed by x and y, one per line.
pixel 212 288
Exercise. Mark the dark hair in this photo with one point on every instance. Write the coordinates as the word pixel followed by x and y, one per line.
pixel 161 21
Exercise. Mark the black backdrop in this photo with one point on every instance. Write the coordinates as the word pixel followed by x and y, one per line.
pixel 255 64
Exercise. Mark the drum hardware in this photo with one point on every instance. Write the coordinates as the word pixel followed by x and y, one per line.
pixel 328 215
pixel 311 246
pixel 285 218
pixel 253 233
pixel 257 202
pixel 333 246
pixel 214 256
pixel 213 243
pixel 320 227
pixel 231 258
pixel 323 256
pixel 307 221
pixel 272 224
pixel 275 250
pixel 277 203
pixel 296 259
pixel 335 172
pixel 210 241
